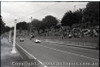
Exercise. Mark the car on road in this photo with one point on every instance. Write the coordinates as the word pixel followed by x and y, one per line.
pixel 21 39
pixel 37 41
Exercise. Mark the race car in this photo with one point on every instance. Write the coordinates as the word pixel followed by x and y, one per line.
pixel 70 36
pixel 37 41
pixel 21 39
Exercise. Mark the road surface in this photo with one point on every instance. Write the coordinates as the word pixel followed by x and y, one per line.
pixel 54 55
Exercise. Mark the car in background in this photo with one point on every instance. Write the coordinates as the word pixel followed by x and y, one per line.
pixel 37 41
pixel 21 39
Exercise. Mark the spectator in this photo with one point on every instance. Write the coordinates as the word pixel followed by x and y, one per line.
pixel 32 36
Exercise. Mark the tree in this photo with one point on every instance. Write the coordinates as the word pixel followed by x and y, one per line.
pixel 7 28
pixel 2 26
pixel 22 25
pixel 78 16
pixel 67 19
pixel 37 25
pixel 50 21
pixel 91 13
pixel 71 18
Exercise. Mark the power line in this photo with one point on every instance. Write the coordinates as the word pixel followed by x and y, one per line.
pixel 42 9
pixel 37 11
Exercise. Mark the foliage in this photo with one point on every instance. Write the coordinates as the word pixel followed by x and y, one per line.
pixel 36 24
pixel 22 25
pixel 7 28
pixel 91 13
pixel 50 21
pixel 2 25
pixel 71 18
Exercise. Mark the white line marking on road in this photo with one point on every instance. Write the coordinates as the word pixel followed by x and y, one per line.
pixel 67 45
pixel 32 56
pixel 69 52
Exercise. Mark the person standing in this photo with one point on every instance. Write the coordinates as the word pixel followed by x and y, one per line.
pixel 32 36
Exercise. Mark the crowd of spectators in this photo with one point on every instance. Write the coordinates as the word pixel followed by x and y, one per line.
pixel 67 32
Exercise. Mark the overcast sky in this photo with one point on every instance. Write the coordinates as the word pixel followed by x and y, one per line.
pixel 38 10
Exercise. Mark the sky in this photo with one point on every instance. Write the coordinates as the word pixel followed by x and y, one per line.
pixel 23 11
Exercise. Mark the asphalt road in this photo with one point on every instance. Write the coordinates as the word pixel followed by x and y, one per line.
pixel 54 55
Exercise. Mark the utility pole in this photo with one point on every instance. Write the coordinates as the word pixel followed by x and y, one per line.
pixel 10 32
pixel 31 25
pixel 74 8
pixel 14 38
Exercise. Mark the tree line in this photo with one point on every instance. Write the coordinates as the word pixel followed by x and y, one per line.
pixel 86 17
pixel 3 28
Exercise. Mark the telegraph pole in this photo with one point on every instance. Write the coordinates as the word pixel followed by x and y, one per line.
pixel 10 35
pixel 74 8
pixel 31 25
pixel 14 38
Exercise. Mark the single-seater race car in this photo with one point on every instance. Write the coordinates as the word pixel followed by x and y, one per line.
pixel 37 41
